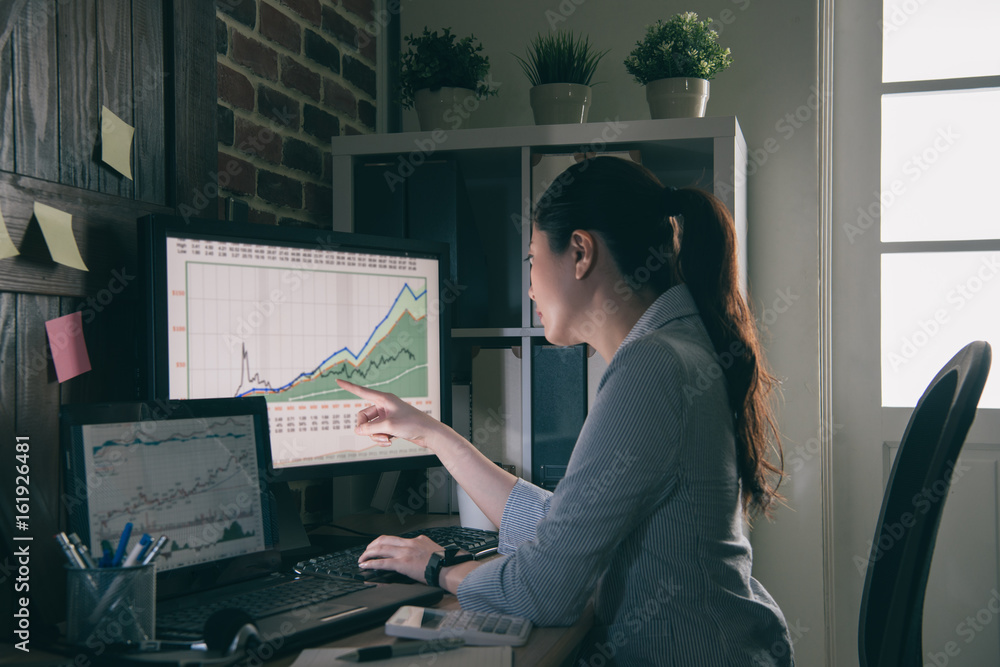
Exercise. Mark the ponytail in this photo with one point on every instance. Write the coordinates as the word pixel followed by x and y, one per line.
pixel 708 263
pixel 625 203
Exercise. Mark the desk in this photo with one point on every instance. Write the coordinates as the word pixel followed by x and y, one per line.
pixel 547 647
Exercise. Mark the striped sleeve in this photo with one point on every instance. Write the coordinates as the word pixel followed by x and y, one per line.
pixel 622 467
pixel 526 505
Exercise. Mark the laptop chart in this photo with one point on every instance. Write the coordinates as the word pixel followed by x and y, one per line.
pixel 193 480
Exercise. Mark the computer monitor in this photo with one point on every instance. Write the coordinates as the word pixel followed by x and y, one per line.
pixel 189 470
pixel 237 309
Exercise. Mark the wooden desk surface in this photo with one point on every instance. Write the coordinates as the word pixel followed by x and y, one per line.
pixel 547 647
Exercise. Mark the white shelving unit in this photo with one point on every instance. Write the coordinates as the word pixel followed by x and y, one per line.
pixel 496 165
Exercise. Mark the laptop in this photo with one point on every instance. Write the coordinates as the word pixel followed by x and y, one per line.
pixel 194 471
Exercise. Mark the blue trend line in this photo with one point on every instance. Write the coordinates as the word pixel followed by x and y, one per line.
pixel 277 390
pixel 154 443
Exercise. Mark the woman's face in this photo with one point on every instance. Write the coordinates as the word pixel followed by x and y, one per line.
pixel 553 287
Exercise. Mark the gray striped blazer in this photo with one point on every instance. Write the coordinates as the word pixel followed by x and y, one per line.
pixel 647 520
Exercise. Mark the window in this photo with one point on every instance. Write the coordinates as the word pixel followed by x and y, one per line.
pixel 939 200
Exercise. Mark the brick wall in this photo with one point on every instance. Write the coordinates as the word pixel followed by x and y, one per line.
pixel 291 74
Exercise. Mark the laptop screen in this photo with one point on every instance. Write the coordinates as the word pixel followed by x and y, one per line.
pixel 189 470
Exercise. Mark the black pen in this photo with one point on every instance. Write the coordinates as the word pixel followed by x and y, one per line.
pixel 370 653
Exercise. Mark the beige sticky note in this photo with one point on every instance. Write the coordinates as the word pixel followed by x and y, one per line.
pixel 57 228
pixel 116 142
pixel 7 248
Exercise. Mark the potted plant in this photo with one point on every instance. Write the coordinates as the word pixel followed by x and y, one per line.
pixel 675 61
pixel 560 67
pixel 444 78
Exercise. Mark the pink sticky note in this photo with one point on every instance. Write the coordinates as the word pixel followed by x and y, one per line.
pixel 69 351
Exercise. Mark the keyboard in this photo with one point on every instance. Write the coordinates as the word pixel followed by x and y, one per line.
pixel 344 563
pixel 259 603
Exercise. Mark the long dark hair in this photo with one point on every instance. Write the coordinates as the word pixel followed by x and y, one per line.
pixel 632 212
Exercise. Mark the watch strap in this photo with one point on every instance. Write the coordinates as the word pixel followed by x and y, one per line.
pixel 437 561
pixel 433 570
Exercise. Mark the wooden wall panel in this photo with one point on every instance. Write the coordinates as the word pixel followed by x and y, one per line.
pixel 148 80
pixel 103 225
pixel 37 400
pixel 114 58
pixel 191 122
pixel 177 155
pixel 8 407
pixel 8 367
pixel 36 122
pixel 79 108
pixel 6 108
pixel 9 11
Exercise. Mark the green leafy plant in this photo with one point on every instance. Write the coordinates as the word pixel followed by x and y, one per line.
pixel 435 61
pixel 560 58
pixel 681 46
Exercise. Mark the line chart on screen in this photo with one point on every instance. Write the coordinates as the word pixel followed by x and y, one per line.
pixel 286 323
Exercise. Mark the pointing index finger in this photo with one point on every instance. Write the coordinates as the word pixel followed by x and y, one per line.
pixel 358 390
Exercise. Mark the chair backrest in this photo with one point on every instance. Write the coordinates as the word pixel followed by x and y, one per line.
pixel 889 633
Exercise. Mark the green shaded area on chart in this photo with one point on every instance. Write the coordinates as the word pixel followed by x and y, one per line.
pixel 397 364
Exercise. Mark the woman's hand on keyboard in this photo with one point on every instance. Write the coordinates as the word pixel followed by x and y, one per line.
pixel 399 554
pixel 390 417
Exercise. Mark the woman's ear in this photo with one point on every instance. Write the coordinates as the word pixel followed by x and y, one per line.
pixel 584 247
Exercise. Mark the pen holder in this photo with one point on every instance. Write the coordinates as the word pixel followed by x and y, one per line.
pixel 113 605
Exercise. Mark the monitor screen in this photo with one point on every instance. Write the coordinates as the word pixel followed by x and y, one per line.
pixel 189 470
pixel 253 310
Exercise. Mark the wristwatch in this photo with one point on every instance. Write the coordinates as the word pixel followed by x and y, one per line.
pixel 433 570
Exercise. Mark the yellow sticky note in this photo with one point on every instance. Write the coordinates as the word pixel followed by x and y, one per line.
pixel 57 228
pixel 7 248
pixel 116 142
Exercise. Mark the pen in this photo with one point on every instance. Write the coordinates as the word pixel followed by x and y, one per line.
pixel 140 546
pixel 145 546
pixel 106 555
pixel 122 545
pixel 81 549
pixel 152 553
pixel 370 653
pixel 71 555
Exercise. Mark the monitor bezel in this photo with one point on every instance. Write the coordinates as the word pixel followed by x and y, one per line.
pixel 153 230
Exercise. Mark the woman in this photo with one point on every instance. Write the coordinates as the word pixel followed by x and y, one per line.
pixel 672 456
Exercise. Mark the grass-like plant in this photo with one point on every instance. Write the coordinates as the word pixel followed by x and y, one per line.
pixel 435 61
pixel 681 46
pixel 560 58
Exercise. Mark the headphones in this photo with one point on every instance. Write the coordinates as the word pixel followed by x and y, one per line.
pixel 230 638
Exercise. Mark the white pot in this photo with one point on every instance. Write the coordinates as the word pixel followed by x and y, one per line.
pixel 445 108
pixel 677 97
pixel 469 514
pixel 560 103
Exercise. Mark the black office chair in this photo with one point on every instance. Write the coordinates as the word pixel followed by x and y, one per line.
pixel 889 633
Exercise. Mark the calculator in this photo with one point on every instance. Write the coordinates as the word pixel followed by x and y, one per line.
pixel 476 628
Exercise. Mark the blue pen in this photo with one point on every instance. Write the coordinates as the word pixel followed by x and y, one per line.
pixel 145 541
pixel 122 545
